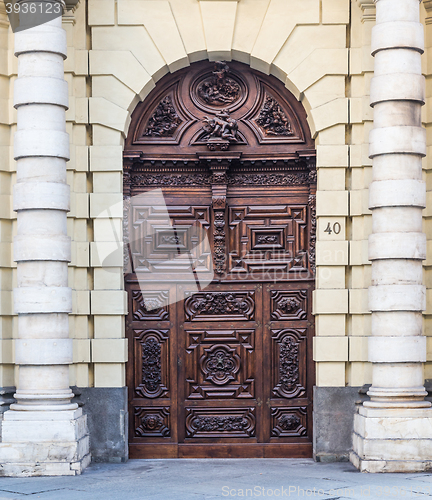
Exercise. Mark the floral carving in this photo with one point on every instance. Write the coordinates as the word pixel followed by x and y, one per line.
pixel 220 303
pixel 171 179
pixel 221 365
pixel 219 241
pixel 219 89
pixel 289 422
pixel 220 423
pixel 289 364
pixel 151 365
pixel 273 119
pixel 266 239
pixel 269 179
pixel 312 238
pixel 164 120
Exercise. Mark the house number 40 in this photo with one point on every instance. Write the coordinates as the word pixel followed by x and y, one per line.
pixel 335 228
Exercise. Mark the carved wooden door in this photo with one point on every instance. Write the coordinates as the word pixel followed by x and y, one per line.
pixel 220 257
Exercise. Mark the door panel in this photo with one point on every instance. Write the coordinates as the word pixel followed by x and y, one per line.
pixel 226 370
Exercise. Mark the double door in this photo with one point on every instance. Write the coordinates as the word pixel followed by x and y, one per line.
pixel 223 367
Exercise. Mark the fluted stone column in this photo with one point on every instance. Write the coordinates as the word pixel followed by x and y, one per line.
pixel 43 433
pixel 393 431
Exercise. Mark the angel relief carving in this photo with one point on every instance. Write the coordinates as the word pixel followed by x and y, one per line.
pixel 164 121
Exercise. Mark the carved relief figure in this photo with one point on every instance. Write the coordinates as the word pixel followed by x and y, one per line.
pixel 219 89
pixel 221 126
pixel 272 119
pixel 164 121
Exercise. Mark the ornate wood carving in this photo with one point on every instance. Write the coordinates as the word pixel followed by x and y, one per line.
pixel 236 306
pixel 150 305
pixel 152 421
pixel 312 238
pixel 219 89
pixel 289 422
pixel 164 120
pixel 220 364
pixel 236 422
pixel 171 179
pixel 273 119
pixel 289 305
pixel 269 179
pixel 289 349
pixel 153 347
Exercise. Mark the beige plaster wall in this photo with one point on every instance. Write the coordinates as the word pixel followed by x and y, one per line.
pixel 118 50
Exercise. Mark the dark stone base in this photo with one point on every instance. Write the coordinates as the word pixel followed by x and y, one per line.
pixel 107 418
pixel 333 421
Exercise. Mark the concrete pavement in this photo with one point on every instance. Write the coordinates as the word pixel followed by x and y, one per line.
pixel 218 479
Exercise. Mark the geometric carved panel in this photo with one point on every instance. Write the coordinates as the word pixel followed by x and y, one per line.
pixel 209 306
pixel 288 422
pixel 175 243
pixel 220 422
pixel 152 421
pixel 150 305
pixel 289 363
pixel 286 305
pixel 267 242
pixel 220 364
pixel 151 363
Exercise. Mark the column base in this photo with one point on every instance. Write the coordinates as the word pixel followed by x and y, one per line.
pixel 44 443
pixel 392 440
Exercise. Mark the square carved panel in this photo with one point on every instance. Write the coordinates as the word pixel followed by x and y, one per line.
pixel 150 305
pixel 288 422
pixel 177 243
pixel 286 305
pixel 267 240
pixel 152 421
pixel 220 364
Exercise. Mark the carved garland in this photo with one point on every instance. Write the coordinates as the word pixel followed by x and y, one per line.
pixel 151 366
pixel 289 364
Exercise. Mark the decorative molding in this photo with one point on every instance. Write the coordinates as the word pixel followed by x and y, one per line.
pixel 312 238
pixel 369 10
pixel 428 7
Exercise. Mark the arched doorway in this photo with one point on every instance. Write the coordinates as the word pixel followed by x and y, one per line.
pixel 220 183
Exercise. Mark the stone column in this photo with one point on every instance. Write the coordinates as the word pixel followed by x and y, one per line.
pixel 43 433
pixel 393 431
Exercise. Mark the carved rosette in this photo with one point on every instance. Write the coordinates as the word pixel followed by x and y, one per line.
pixel 220 364
pixel 150 305
pixel 312 240
pixel 288 305
pixel 273 120
pixel 164 121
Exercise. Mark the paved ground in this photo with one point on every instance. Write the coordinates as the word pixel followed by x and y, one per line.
pixel 211 479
